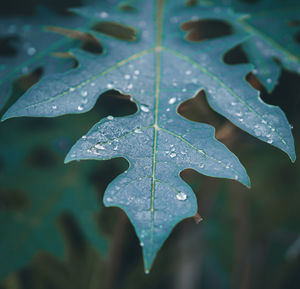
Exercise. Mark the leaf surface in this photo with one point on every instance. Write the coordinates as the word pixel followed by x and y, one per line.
pixel 275 29
pixel 30 47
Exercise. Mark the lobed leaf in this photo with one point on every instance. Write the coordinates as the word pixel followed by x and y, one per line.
pixel 160 69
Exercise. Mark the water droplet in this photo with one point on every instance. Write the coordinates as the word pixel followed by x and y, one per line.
pixel 138 130
pixel 84 93
pixel 110 117
pixel 109 86
pixel 108 199
pixel 269 141
pixel 80 107
pixel 103 14
pixel 129 86
pixel 257 132
pixel 188 72
pixel 184 90
pixel 93 84
pixel 144 108
pixel 172 155
pixel 99 147
pixel 71 89
pixel 172 100
pixel 181 196
pixel 127 76
pixel 233 103
pixel 54 107
pixel 291 126
pixel 136 72
pixel 83 137
pixel 269 80
pixel 142 244
pixel 263 121
pixel 73 155
pixel 201 166
pixel 239 114
pixel 31 51
pixel 227 166
pixel 236 177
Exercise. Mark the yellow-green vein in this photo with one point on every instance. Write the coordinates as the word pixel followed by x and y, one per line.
pixel 159 31
pixel 81 84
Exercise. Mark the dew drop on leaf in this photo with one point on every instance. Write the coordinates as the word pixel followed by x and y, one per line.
pixel 172 155
pixel 138 130
pixel 31 51
pixel 127 76
pixel 144 108
pixel 172 100
pixel 181 196
pixel 99 147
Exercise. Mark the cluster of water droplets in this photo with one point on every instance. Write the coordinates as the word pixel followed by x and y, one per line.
pixel 172 151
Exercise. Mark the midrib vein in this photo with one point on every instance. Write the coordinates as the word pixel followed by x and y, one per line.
pixel 159 31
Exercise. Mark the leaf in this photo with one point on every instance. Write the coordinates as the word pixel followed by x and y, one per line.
pixel 29 47
pixel 36 188
pixel 159 70
pixel 81 263
pixel 274 26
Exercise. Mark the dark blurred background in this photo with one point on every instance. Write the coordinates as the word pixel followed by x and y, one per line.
pixel 56 233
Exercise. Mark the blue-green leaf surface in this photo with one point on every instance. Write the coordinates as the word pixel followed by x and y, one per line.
pixel 159 70
pixel 274 26
pixel 33 46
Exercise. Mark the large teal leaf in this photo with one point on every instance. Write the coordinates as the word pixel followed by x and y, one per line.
pixel 159 70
